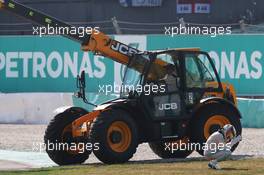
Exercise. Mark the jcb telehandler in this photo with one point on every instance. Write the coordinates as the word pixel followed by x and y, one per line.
pixel 192 104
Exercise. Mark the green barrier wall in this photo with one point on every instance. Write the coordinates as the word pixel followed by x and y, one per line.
pixel 50 64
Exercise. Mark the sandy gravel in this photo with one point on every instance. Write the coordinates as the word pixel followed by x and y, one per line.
pixel 22 138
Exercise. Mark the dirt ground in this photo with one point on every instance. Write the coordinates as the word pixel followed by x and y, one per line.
pixel 26 137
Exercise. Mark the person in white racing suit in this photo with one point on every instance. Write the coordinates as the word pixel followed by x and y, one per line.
pixel 223 139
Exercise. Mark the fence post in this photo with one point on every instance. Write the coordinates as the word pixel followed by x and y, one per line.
pixel 116 26
pixel 242 26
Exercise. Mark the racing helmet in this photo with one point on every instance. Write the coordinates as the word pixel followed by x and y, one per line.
pixel 229 132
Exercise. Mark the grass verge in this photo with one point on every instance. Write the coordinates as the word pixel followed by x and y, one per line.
pixel 238 167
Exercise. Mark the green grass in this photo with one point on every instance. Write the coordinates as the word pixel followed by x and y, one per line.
pixel 239 167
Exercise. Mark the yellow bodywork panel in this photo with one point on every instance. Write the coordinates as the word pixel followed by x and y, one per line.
pixel 231 89
pixel 221 94
pixel 82 125
pixel 101 44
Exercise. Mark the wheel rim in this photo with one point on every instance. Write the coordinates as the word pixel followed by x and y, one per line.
pixel 119 136
pixel 213 123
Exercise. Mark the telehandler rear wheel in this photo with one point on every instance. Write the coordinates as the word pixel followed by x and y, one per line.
pixel 116 133
pixel 167 150
pixel 211 119
pixel 60 145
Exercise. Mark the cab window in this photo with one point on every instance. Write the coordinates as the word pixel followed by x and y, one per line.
pixel 199 72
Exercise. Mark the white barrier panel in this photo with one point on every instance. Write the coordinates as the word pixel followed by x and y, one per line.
pixel 38 108
pixel 31 108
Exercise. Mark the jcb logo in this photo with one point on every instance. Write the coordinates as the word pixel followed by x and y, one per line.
pixel 168 106
pixel 122 48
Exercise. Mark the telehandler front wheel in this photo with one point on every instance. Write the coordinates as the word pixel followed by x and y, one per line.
pixel 210 119
pixel 116 134
pixel 60 145
pixel 173 149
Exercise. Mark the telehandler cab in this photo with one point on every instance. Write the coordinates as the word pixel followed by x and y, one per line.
pixel 186 102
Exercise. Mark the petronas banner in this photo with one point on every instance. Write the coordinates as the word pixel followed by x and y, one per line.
pixel 51 64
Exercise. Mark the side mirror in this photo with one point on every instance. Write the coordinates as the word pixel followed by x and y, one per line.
pixel 80 83
pixel 81 86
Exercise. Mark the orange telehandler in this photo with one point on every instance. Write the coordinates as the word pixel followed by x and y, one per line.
pixel 192 103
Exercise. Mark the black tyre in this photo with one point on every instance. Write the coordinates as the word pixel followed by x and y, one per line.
pixel 116 134
pixel 167 150
pixel 211 119
pixel 59 132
